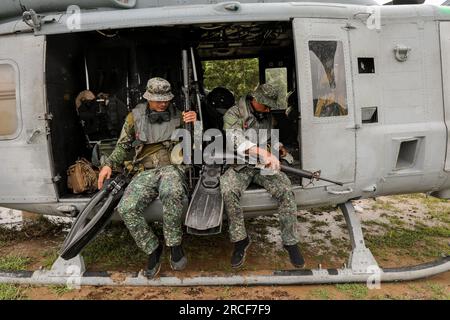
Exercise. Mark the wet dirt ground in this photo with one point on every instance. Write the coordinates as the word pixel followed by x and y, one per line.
pixel 400 231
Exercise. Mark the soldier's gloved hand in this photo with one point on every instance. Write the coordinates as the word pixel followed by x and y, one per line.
pixel 105 173
pixel 190 116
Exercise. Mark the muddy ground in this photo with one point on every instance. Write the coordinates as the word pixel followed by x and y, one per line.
pixel 400 231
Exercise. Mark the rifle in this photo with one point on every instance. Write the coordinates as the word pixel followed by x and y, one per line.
pixel 198 127
pixel 316 175
pixel 307 174
pixel 196 85
pixel 187 103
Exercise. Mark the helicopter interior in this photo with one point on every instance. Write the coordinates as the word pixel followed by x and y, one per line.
pixel 116 64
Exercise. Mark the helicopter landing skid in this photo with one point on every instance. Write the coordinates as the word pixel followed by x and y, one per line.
pixel 362 268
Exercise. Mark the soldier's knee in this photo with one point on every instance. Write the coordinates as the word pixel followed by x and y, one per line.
pixel 176 192
pixel 285 194
pixel 230 193
pixel 123 211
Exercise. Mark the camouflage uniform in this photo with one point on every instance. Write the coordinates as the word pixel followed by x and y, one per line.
pixel 151 142
pixel 237 179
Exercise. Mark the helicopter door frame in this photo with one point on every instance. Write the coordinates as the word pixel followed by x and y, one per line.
pixel 444 34
pixel 25 157
pixel 328 142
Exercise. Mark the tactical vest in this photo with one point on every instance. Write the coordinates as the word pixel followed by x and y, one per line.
pixel 250 121
pixel 154 137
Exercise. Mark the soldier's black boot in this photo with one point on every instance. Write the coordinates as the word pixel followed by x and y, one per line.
pixel 178 259
pixel 240 249
pixel 295 256
pixel 154 262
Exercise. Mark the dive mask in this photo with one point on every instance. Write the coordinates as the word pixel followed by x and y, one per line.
pixel 158 117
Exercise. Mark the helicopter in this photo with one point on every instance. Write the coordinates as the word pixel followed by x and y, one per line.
pixel 370 103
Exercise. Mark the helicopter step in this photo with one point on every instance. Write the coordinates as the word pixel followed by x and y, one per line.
pixel 361 268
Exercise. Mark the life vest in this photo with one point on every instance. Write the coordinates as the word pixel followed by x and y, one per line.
pixel 251 122
pixel 153 140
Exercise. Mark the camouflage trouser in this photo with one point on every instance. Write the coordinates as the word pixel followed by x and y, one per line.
pixel 233 184
pixel 169 183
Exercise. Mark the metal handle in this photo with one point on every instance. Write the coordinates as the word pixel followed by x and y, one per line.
pixel 33 135
pixel 338 192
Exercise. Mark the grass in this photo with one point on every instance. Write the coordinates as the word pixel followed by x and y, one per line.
pixel 422 241
pixel 437 208
pixel 321 210
pixel 14 263
pixel 356 291
pixel 321 294
pixel 318 224
pixel 39 228
pixel 50 257
pixel 384 205
pixel 438 291
pixel 59 290
pixel 226 293
pixel 114 248
pixel 11 292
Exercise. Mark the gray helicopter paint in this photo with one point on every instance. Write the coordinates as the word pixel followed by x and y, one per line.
pixel 408 95
pixel 317 147
pixel 97 20
pixel 410 108
pixel 26 173
pixel 445 52
pixel 219 13
pixel 14 8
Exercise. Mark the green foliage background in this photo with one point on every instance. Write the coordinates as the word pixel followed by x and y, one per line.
pixel 239 76
pixel 242 76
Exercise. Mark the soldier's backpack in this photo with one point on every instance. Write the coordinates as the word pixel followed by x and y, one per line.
pixel 82 177
pixel 100 120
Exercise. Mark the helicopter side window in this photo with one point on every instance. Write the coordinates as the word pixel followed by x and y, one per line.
pixel 8 106
pixel 328 78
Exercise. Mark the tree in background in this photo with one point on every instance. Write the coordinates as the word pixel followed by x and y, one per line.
pixel 278 78
pixel 240 76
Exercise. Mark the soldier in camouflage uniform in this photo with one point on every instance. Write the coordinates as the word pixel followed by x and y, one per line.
pixel 252 112
pixel 148 128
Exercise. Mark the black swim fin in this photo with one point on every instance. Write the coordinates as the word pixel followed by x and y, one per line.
pixel 94 217
pixel 205 213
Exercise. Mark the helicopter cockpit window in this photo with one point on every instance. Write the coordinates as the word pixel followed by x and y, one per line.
pixel 8 106
pixel 328 78
pixel 278 78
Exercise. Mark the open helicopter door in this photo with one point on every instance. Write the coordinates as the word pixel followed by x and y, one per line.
pixel 26 174
pixel 325 94
pixel 444 28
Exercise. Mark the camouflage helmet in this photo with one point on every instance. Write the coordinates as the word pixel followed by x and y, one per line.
pixel 267 95
pixel 158 89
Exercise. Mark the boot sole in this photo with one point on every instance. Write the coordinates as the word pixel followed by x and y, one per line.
pixel 155 273
pixel 179 265
pixel 298 266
